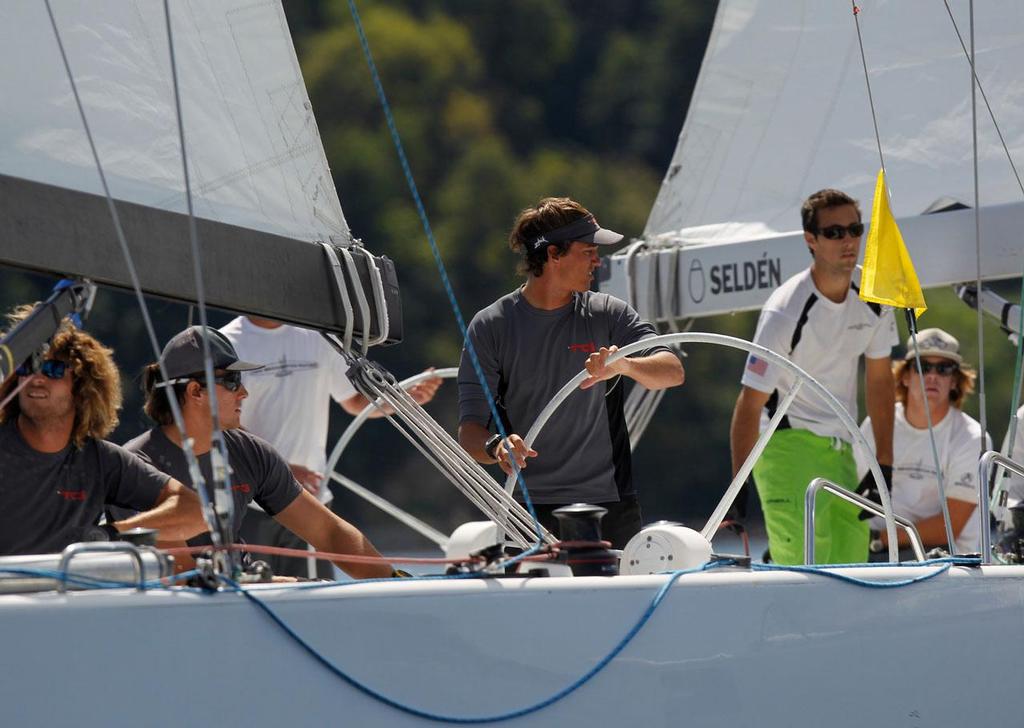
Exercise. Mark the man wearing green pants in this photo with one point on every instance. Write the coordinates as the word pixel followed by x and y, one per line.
pixel 817 320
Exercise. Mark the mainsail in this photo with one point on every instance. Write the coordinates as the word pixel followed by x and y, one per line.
pixel 781 110
pixel 261 186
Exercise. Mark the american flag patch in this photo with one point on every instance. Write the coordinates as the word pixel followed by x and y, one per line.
pixel 757 366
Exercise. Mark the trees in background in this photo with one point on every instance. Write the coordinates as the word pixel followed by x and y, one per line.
pixel 500 103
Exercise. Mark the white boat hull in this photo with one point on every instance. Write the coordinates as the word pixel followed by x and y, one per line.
pixel 726 647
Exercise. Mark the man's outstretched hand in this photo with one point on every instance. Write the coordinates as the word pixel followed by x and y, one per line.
pixel 515 447
pixel 425 390
pixel 598 369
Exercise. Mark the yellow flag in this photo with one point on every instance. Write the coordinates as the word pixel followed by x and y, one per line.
pixel 888 276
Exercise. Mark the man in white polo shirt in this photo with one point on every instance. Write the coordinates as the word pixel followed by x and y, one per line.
pixel 817 320
pixel 289 407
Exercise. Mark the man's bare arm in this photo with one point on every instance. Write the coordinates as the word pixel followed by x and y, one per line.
pixel 746 424
pixel 880 396
pixel 933 528
pixel 660 370
pixel 423 391
pixel 326 531
pixel 177 514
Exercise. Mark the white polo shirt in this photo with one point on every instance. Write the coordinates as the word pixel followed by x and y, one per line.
pixel 824 338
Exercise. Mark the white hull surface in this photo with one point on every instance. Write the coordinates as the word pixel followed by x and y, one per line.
pixel 726 647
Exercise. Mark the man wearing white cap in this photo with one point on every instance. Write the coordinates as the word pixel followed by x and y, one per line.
pixel 958 440
pixel 532 341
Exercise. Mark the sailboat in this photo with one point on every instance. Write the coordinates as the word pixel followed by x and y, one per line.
pixel 714 643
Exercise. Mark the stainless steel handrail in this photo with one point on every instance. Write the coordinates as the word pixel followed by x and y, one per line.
pixel 819 484
pixel 124 547
pixel 984 470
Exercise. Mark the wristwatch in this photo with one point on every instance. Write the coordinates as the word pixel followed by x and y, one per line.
pixel 492 445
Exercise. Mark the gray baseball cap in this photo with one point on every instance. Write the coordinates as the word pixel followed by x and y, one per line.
pixel 183 354
pixel 935 342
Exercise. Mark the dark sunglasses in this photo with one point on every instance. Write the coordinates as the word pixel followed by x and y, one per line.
pixel 51 369
pixel 942 368
pixel 231 381
pixel 838 232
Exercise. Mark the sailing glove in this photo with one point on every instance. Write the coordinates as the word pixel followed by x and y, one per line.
pixel 868 488
pixel 736 516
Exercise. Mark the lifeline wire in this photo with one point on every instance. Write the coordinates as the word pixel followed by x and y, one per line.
pixel 190 458
pixel 421 211
pixel 911 316
pixel 943 567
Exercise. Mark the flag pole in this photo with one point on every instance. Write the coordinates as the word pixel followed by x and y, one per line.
pixel 939 478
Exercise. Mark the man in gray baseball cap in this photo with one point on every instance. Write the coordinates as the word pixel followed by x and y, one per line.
pixel 258 472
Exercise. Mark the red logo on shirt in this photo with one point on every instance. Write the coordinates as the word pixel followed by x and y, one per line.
pixel 242 488
pixel 588 348
pixel 72 495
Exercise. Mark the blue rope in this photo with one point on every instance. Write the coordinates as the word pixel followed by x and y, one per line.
pixel 517 713
pixel 942 564
pixel 421 210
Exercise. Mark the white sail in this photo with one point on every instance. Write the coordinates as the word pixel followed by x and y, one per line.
pixel 781 109
pixel 255 155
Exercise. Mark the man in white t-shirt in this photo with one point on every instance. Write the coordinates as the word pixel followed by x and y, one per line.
pixel 289 407
pixel 958 440
pixel 817 320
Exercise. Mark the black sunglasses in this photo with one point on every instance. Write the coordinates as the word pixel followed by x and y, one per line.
pixel 942 368
pixel 231 381
pixel 838 232
pixel 51 369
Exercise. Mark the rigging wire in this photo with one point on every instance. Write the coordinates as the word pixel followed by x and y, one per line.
pixel 977 243
pixel 219 463
pixel 911 317
pixel 211 517
pixel 449 290
pixel 1015 394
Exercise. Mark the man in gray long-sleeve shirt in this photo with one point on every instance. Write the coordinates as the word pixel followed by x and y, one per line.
pixel 532 341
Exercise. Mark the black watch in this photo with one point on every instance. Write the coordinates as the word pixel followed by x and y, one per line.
pixel 491 446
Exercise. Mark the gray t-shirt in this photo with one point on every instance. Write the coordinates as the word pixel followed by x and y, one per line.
pixel 527 355
pixel 49 500
pixel 258 473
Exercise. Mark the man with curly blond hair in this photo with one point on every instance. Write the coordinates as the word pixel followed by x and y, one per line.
pixel 959 441
pixel 57 473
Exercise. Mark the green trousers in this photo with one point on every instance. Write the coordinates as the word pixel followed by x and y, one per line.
pixel 791 461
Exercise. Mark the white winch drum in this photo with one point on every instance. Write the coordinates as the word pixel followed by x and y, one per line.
pixel 664 547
